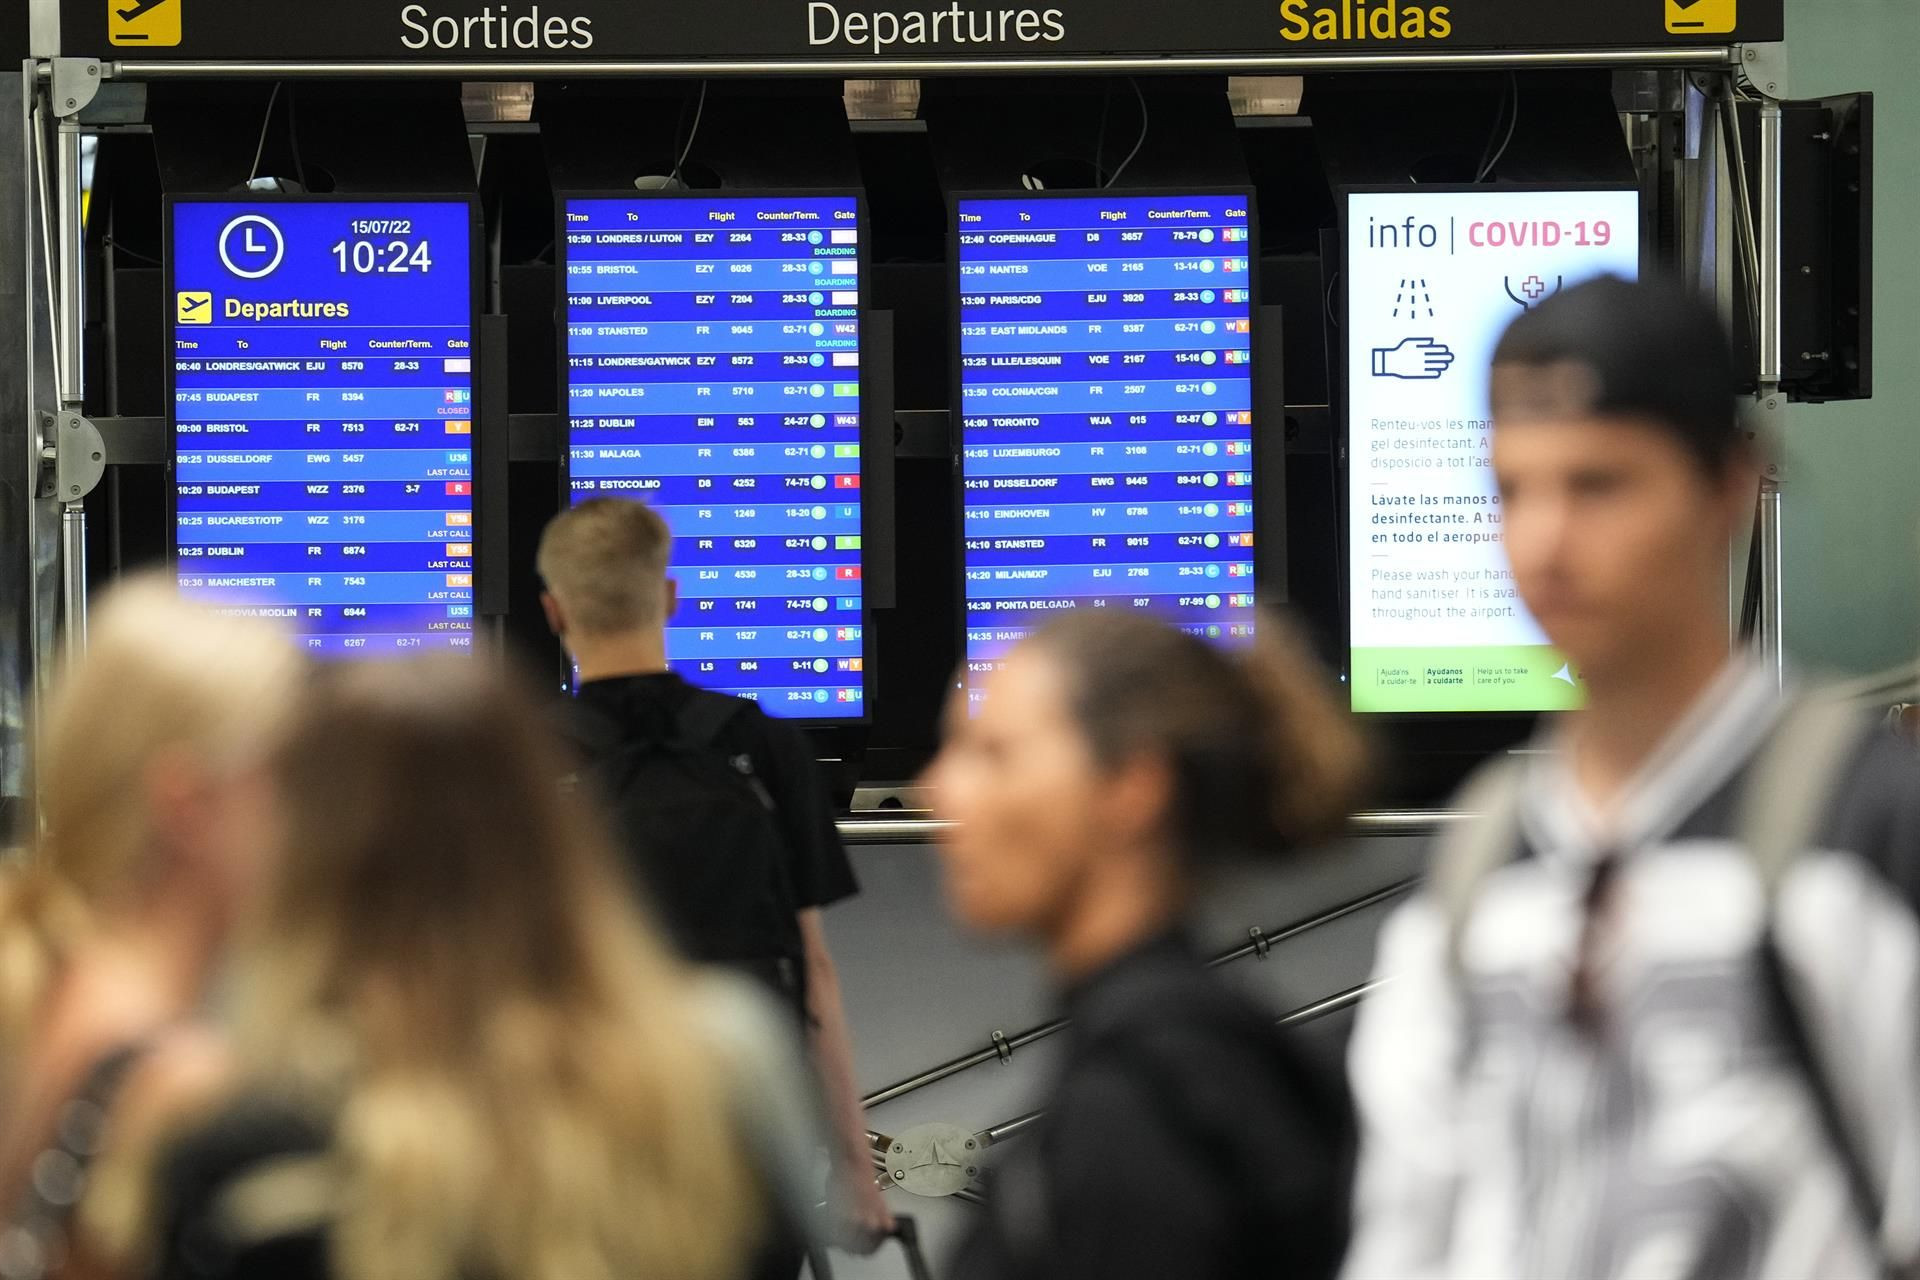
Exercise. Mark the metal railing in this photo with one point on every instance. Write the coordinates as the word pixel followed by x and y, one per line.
pixel 1007 1130
pixel 908 826
pixel 1002 1047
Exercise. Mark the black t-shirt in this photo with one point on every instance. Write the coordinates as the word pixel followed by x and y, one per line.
pixel 1186 1136
pixel 817 864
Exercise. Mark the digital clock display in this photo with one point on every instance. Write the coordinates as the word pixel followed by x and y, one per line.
pixel 1106 401
pixel 713 370
pixel 390 255
pixel 322 379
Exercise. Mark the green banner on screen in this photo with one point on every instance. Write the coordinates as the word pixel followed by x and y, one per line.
pixel 1471 678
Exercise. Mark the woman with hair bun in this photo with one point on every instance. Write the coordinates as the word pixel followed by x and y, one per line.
pixel 1112 760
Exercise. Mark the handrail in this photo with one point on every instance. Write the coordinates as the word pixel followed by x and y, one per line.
pixel 1332 1004
pixel 916 827
pixel 1002 1047
pixel 999 1133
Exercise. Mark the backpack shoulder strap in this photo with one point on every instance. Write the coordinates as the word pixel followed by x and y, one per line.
pixel 42 1219
pixel 1476 846
pixel 704 716
pixel 1786 797
pixel 585 726
pixel 699 726
pixel 1794 782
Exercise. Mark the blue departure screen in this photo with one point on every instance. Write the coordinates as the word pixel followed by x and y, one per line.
pixel 713 371
pixel 1107 413
pixel 323 417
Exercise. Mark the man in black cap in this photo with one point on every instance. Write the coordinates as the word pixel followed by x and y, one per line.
pixel 1655 1012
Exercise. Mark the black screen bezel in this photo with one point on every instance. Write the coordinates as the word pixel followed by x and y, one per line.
pixel 1343 414
pixel 562 197
pixel 476 290
pixel 1257 374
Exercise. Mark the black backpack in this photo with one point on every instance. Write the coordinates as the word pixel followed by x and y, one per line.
pixel 698 830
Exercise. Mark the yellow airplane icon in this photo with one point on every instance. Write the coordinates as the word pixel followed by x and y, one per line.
pixel 144 23
pixel 193 307
pixel 1702 17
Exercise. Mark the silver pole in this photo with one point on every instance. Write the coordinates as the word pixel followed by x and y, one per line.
pixel 1770 196
pixel 999 1133
pixel 860 830
pixel 43 28
pixel 1003 1046
pixel 1771 631
pixel 34 198
pixel 24 383
pixel 73 576
pixel 71 231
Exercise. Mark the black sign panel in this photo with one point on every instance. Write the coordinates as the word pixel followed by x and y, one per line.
pixel 854 31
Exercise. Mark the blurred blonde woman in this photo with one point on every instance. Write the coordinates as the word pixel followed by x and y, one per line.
pixel 464 1055
pixel 112 925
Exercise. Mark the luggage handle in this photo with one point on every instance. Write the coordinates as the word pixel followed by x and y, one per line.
pixel 907 1232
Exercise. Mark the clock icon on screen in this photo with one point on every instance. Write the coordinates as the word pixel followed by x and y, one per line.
pixel 251 246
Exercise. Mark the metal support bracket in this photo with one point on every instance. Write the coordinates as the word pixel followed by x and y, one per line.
pixel 1262 947
pixel 1001 1047
pixel 1765 66
pixel 75 82
pixel 73 457
pixel 1767 418
pixel 934 1160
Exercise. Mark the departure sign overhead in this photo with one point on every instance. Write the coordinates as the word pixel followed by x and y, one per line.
pixel 713 371
pixel 322 379
pixel 1106 394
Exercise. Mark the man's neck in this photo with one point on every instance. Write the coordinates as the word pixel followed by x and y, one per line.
pixel 1628 717
pixel 610 657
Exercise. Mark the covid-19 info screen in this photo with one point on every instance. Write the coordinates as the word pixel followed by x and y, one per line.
pixel 1433 278
pixel 713 371
pixel 1106 400
pixel 323 417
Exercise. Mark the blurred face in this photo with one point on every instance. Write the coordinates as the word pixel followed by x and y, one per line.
pixel 1029 800
pixel 1617 537
pixel 218 827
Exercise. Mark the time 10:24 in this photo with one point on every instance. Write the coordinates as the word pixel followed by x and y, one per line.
pixel 394 257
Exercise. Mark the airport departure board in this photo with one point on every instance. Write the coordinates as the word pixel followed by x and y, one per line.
pixel 713 371
pixel 322 461
pixel 1106 399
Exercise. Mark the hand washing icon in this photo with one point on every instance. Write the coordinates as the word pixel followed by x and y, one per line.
pixel 1412 359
